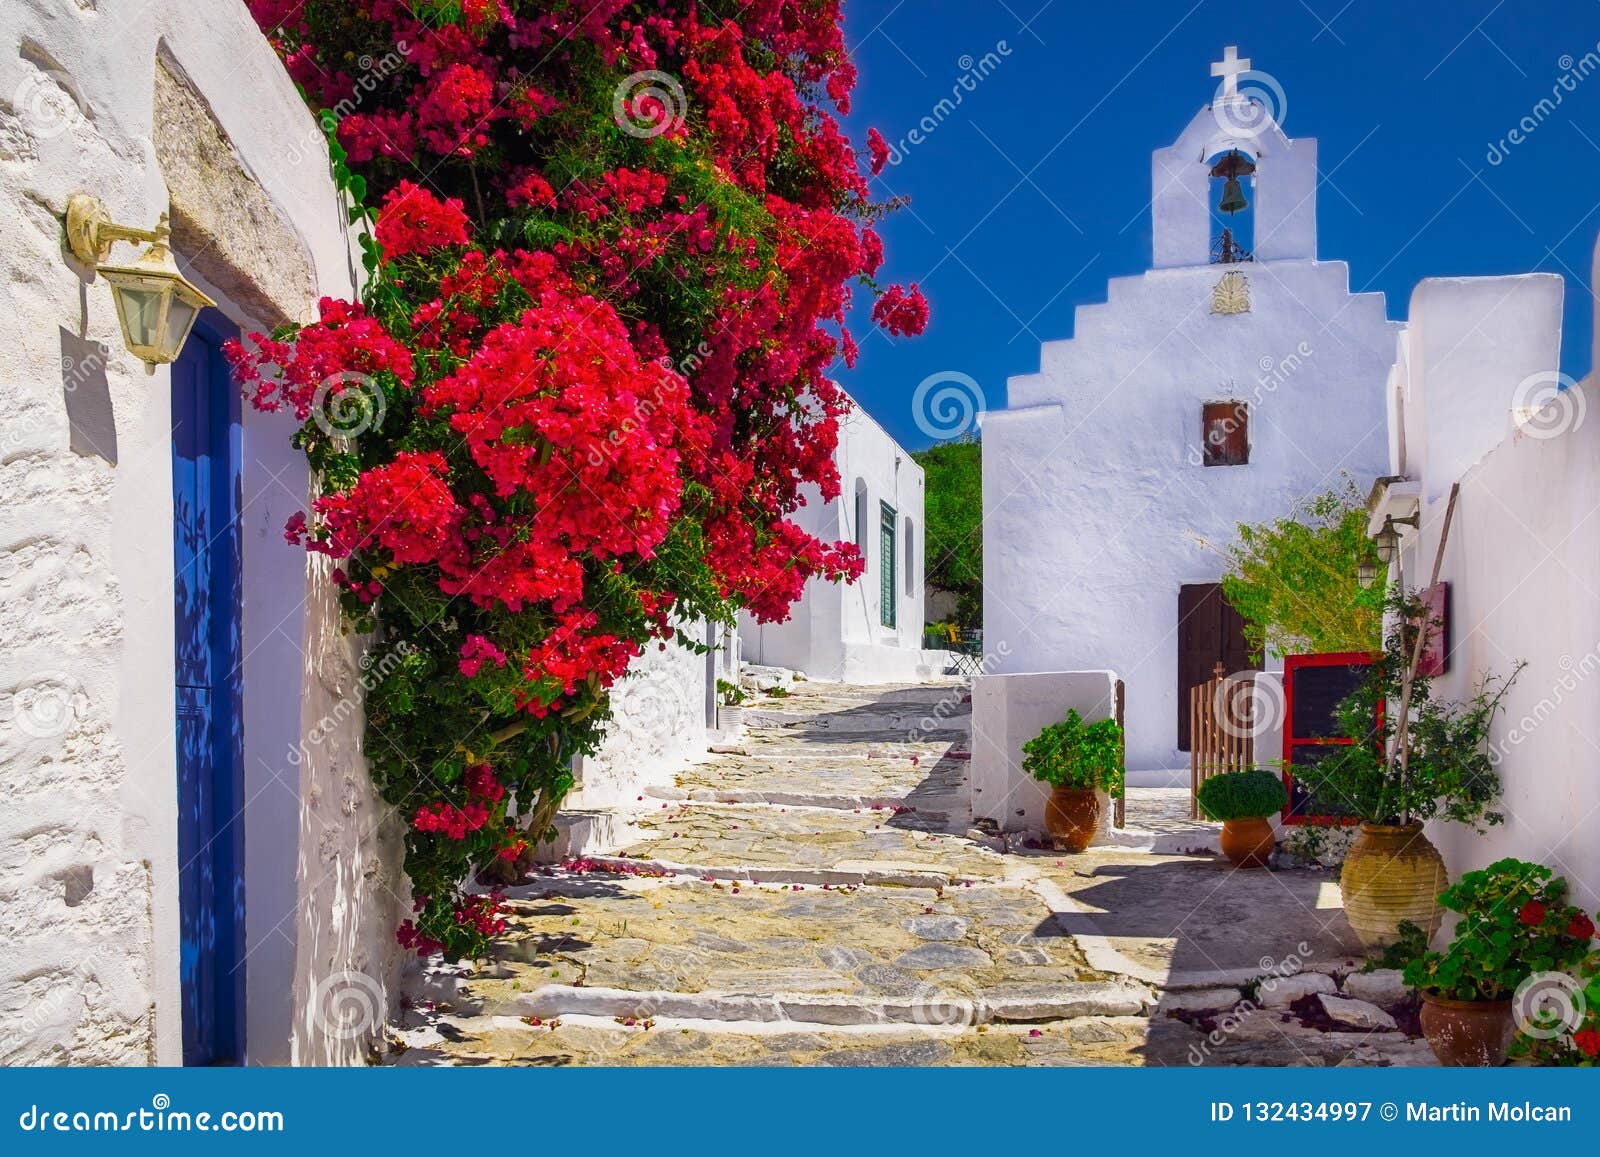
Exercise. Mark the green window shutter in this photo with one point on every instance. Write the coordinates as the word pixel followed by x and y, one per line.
pixel 887 584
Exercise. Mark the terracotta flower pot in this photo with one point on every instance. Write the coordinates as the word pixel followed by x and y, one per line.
pixel 1392 875
pixel 1072 816
pixel 1247 842
pixel 1467 1033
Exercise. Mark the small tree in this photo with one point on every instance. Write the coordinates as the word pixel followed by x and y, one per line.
pixel 953 508
pixel 1296 581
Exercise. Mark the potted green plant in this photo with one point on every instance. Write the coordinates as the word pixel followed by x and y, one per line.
pixel 1079 761
pixel 1416 757
pixel 1241 801
pixel 730 709
pixel 1515 924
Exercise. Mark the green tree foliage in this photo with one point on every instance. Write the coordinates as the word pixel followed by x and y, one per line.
pixel 1295 581
pixel 953 509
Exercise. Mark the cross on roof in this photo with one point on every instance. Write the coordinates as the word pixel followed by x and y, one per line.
pixel 1229 68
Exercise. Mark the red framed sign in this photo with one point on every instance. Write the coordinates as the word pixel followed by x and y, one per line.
pixel 1313 688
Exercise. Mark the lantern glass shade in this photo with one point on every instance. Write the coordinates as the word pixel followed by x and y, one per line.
pixel 1385 543
pixel 1367 574
pixel 156 305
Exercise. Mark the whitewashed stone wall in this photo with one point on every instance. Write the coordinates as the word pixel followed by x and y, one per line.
pixel 661 714
pixel 155 105
pixel 1522 553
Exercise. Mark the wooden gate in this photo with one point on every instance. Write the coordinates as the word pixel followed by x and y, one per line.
pixel 1221 729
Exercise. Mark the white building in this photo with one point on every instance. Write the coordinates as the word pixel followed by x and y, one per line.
pixel 871 630
pixel 1477 398
pixel 166 657
pixel 1199 395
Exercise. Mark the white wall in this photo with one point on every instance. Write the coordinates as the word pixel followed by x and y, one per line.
pixel 1008 711
pixel 1521 557
pixel 1096 506
pixel 86 546
pixel 835 632
pixel 660 713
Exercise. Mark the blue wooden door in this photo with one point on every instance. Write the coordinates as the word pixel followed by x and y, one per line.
pixel 206 448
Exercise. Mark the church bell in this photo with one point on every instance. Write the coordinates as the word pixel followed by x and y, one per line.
pixel 1233 166
pixel 1233 198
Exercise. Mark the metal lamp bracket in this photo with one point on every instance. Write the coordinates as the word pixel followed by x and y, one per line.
pixel 91 232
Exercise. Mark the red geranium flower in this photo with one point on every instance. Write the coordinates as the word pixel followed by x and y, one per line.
pixel 1581 927
pixel 1532 914
pixel 1588 1042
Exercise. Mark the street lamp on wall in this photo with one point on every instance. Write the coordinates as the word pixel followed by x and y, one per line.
pixel 156 304
pixel 1387 541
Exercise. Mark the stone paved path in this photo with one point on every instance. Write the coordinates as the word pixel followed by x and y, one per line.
pixel 815 897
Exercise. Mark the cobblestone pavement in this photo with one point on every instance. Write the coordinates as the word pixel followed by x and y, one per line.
pixel 814 896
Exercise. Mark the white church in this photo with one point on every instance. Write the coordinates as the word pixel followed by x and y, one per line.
pixel 1236 375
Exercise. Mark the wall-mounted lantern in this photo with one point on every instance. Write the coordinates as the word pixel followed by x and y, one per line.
pixel 156 304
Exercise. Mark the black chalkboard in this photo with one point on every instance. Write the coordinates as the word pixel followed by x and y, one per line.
pixel 1318 691
pixel 1307 797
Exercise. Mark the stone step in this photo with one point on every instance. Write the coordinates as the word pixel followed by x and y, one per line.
pixel 1015 1003
pixel 908 720
pixel 925 782
pixel 435 1038
pixel 766 842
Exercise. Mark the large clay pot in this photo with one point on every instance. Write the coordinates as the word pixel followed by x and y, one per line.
pixel 1468 1033
pixel 1392 875
pixel 1072 816
pixel 1247 842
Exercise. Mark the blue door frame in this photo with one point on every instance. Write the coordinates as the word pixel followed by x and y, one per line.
pixel 206 481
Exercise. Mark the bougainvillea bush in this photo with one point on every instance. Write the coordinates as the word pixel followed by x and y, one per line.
pixel 611 248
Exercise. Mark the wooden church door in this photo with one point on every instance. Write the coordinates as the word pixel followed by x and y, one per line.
pixel 206 452
pixel 1209 631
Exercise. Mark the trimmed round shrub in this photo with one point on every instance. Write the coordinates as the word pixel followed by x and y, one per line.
pixel 1243 795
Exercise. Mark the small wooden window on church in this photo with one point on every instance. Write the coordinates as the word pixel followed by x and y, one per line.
pixel 1225 434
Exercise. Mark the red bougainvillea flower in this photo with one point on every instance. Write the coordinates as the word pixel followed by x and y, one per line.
pixel 901 312
pixel 1587 1042
pixel 475 651
pixel 413 220
pixel 342 351
pixel 1581 928
pixel 450 821
pixel 404 510
pixel 1532 914
pixel 597 400
pixel 456 109
pixel 878 149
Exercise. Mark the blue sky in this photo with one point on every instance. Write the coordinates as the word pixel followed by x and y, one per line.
pixel 1034 192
